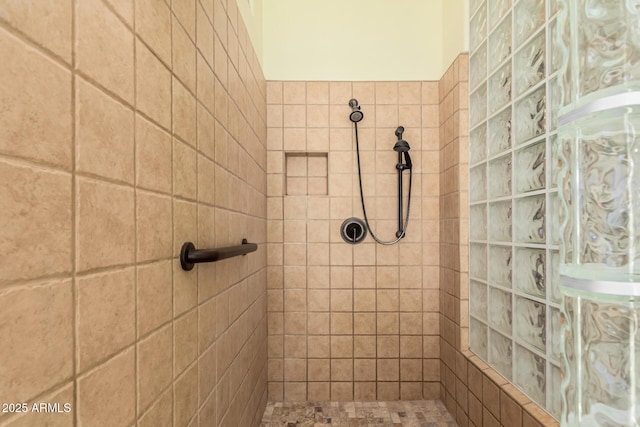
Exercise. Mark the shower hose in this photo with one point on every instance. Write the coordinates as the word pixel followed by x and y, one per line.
pixel 364 209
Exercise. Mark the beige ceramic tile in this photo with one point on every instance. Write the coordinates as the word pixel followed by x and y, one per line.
pixel 104 134
pixel 184 170
pixel 410 92
pixel 154 366
pixel 161 413
pixel 185 11
pixel 154 291
pixel 364 92
pixel 317 93
pixel 205 84
pixel 153 156
pixel 340 93
pixel 184 53
pixel 207 379
pixel 342 391
pixel 37 96
pixel 104 48
pixel 153 87
pixel 204 36
pixel 49 25
pixel 153 25
pixel 220 21
pixel 206 325
pixel 153 223
pixel 206 180
pixel 105 315
pixel 185 341
pixel 341 346
pixel 274 93
pixel 184 113
pixel 185 397
pixel 37 208
pixel 105 225
pixel 36 323
pixel 116 379
pixel 318 370
pixel 294 93
pixel 317 116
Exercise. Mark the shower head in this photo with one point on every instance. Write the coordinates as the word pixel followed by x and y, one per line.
pixel 356 115
pixel 401 146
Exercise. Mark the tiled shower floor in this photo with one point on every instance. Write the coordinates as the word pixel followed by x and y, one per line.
pixel 414 413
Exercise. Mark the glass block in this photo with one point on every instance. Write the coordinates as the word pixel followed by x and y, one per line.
pixel 500 132
pixel 554 7
pixel 500 44
pixel 500 355
pixel 530 374
pixel 478 261
pixel 554 163
pixel 555 98
pixel 529 272
pixel 531 320
pixel 474 4
pixel 478 66
pixel 553 276
pixel 497 10
pixel 478 105
pixel 478 183
pixel 556 214
pixel 478 339
pixel 500 177
pixel 530 64
pixel 530 116
pixel 478 144
pixel 571 365
pixel 478 294
pixel 478 27
pixel 530 16
pixel 556 333
pixel 605 176
pixel 500 312
pixel 556 391
pixel 500 262
pixel 607 353
pixel 530 165
pixel 500 221
pixel 529 219
pixel 500 88
pixel 604 51
pixel 553 47
pixel 478 222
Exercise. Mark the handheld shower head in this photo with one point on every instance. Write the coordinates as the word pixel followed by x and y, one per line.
pixel 399 132
pixel 356 115
pixel 401 146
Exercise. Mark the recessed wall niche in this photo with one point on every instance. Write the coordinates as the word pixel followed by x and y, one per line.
pixel 306 174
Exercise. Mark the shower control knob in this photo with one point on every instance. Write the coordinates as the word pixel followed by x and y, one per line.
pixel 353 230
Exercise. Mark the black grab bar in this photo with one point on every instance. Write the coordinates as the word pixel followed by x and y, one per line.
pixel 189 255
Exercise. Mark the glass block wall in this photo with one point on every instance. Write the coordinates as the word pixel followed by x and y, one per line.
pixel 514 297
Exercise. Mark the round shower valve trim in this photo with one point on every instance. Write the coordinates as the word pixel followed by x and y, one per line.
pixel 353 230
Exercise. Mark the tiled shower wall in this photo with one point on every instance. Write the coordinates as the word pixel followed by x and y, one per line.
pixel 351 321
pixel 124 132
pixel 474 393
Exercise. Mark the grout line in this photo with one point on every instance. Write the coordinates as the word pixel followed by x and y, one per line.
pixel 74 222
pixel 135 224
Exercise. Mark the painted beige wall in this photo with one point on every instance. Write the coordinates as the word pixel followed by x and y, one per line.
pixel 353 40
pixel 455 31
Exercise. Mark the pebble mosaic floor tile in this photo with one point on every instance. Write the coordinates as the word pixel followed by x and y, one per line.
pixel 415 413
